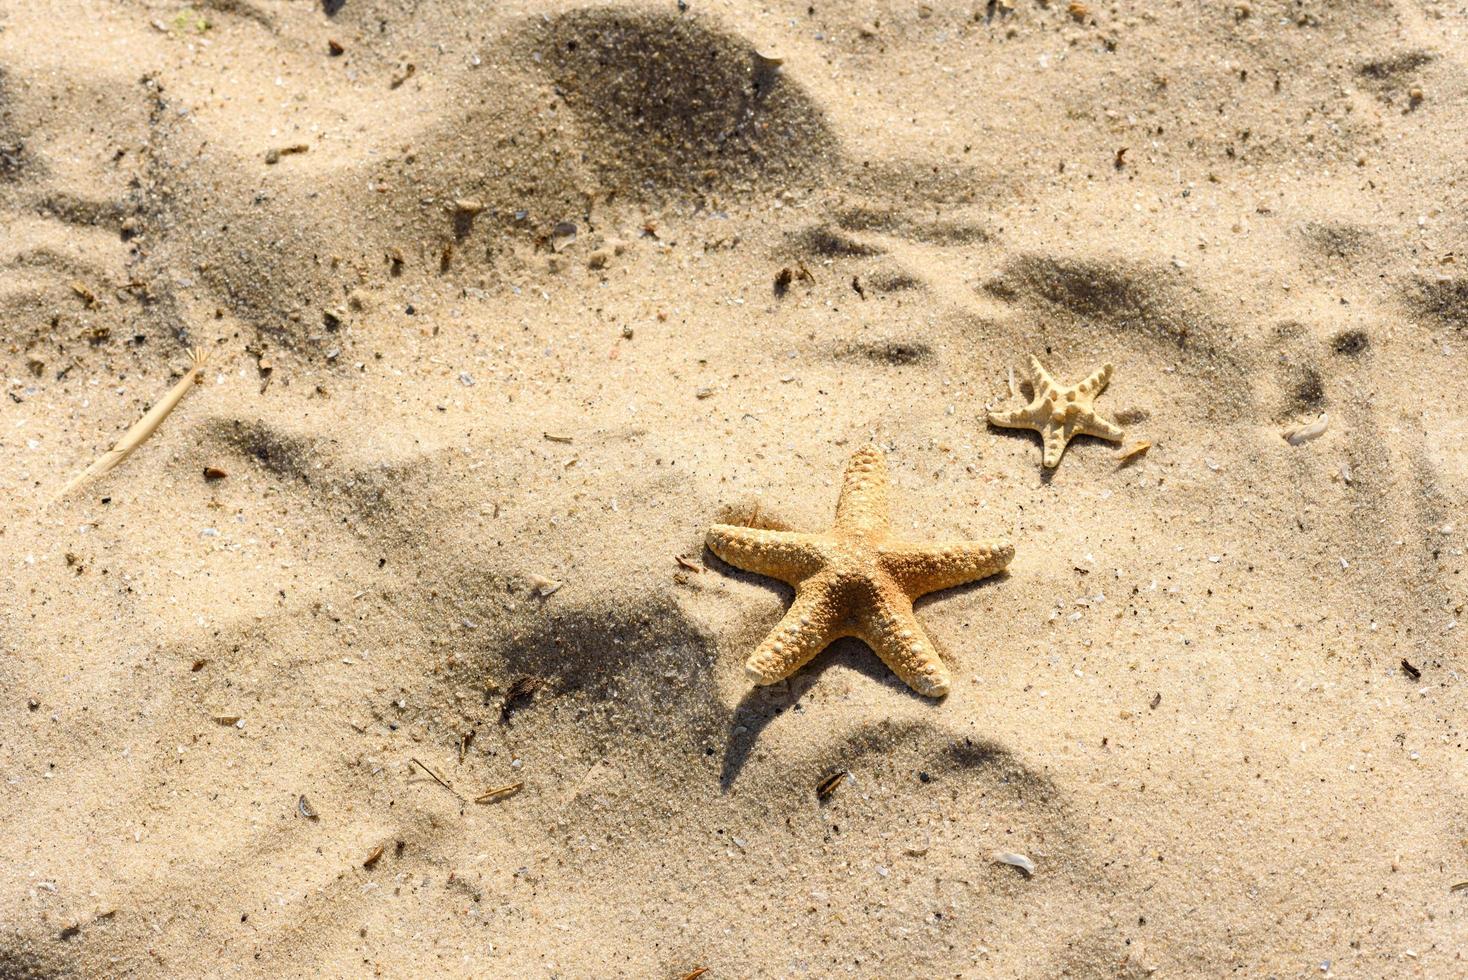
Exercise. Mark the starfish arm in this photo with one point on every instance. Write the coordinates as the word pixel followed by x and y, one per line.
pixel 920 569
pixel 894 633
pixel 786 555
pixel 1014 418
pixel 862 505
pixel 1041 377
pixel 1056 439
pixel 1101 428
pixel 807 629
pixel 1096 382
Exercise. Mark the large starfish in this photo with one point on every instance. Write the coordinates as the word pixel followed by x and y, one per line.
pixel 854 580
pixel 1059 411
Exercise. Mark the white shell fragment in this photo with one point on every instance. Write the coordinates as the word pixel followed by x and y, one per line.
pixel 1298 435
pixel 1016 860
pixel 543 586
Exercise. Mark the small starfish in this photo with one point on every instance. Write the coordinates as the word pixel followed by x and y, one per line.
pixel 1059 412
pixel 854 580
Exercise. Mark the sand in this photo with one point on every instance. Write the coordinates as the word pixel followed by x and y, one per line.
pixel 470 459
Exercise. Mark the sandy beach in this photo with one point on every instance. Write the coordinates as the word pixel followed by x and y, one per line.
pixel 398 647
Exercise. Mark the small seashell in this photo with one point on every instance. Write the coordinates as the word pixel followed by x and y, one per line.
pixel 1134 450
pixel 1017 861
pixel 1300 434
pixel 828 785
pixel 543 586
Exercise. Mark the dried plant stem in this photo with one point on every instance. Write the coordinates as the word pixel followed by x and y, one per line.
pixel 499 792
pixel 436 777
pixel 143 427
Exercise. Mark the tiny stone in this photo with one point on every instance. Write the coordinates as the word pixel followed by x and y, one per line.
pixel 563 235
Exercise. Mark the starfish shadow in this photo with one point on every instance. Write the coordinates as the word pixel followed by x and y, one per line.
pixel 1022 435
pixel 967 588
pixel 945 653
pixel 1025 435
pixel 760 706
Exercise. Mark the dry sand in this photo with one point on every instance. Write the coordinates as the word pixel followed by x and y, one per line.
pixel 1186 702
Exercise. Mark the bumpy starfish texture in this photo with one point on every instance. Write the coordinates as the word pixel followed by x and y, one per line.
pixel 1059 411
pixel 854 580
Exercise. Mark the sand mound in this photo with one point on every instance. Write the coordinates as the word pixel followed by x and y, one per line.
pixel 672 104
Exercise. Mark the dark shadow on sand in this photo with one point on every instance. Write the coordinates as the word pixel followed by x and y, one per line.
pixel 760 706
pixel 1030 436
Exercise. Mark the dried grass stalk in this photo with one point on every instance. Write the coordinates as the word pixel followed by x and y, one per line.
pixel 143 427
pixel 499 793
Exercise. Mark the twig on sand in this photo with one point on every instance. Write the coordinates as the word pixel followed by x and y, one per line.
pixel 499 793
pixel 143 427
pixel 436 779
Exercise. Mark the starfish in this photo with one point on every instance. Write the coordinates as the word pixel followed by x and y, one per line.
pixel 1059 411
pixel 855 580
